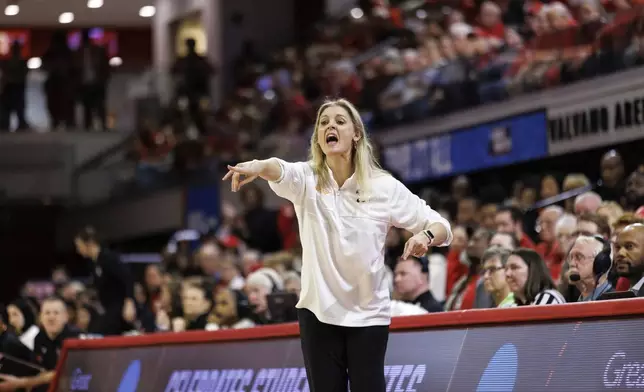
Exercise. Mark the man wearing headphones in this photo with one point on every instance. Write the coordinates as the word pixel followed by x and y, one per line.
pixel 590 262
pixel 259 285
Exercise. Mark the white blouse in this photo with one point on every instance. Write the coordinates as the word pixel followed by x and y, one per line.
pixel 343 242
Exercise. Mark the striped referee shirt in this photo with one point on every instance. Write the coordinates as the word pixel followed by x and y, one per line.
pixel 343 233
pixel 549 297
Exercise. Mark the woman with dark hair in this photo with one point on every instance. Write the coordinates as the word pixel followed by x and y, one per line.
pixel 23 321
pixel 529 279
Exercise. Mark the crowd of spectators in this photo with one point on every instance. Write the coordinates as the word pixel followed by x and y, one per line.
pixel 398 62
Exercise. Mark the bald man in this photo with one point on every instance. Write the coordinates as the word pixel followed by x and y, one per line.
pixel 629 256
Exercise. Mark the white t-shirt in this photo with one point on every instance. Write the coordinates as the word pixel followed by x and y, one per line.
pixel 343 242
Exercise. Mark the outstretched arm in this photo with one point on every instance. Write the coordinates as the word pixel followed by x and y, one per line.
pixel 286 179
pixel 268 169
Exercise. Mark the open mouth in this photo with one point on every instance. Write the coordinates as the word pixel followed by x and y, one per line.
pixel 331 139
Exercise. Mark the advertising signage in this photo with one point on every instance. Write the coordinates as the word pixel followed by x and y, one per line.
pixel 604 121
pixel 561 355
pixel 499 143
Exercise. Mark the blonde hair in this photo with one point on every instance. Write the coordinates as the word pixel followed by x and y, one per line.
pixel 362 156
pixel 612 211
pixel 574 181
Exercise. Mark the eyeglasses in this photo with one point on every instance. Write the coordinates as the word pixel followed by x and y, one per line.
pixel 491 270
pixel 579 257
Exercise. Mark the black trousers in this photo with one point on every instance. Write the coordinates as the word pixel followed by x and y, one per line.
pixel 336 357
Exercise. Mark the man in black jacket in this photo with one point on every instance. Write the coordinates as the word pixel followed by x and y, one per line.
pixel 411 282
pixel 113 283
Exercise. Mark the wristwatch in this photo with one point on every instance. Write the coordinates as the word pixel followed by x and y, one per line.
pixel 429 235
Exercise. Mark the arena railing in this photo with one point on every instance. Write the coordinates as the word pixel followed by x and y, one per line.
pixel 573 347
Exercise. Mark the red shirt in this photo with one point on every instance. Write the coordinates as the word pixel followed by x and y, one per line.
pixel 526 242
pixel 469 294
pixel 287 225
pixel 552 256
pixel 496 31
pixel 622 284
pixel 455 270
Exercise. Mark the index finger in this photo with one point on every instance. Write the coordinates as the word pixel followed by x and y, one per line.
pixel 228 175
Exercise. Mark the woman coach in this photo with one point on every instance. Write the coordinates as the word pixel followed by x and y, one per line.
pixel 345 205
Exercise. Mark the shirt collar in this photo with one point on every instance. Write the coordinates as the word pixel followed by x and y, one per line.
pixel 597 292
pixel 638 285
pixel 349 182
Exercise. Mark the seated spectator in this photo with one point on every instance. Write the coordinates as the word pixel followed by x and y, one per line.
pixel 12 347
pixel 634 190
pixel 629 258
pixel 87 318
pixel 293 283
pixel 548 248
pixel 588 271
pixel 259 285
pixel 611 211
pixel 490 24
pixel 231 311
pixel 251 261
pixel 23 321
pixel 229 273
pixel 587 202
pixel 463 294
pixel 571 182
pixel 196 304
pixel 493 272
pixel 510 220
pixel 529 279
pixel 620 224
pixel 505 241
pixel 411 283
pixel 565 236
pixel 47 345
pixel 259 228
pixel 593 224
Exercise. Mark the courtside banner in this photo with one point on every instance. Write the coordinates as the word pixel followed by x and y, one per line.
pixel 604 121
pixel 576 347
pixel 499 143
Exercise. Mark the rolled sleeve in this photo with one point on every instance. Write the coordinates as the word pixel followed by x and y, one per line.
pixel 412 213
pixel 291 183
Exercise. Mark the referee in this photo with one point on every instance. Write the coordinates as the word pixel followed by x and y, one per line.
pixel 345 205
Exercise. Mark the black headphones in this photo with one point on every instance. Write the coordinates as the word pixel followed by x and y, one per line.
pixel 274 288
pixel 603 261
